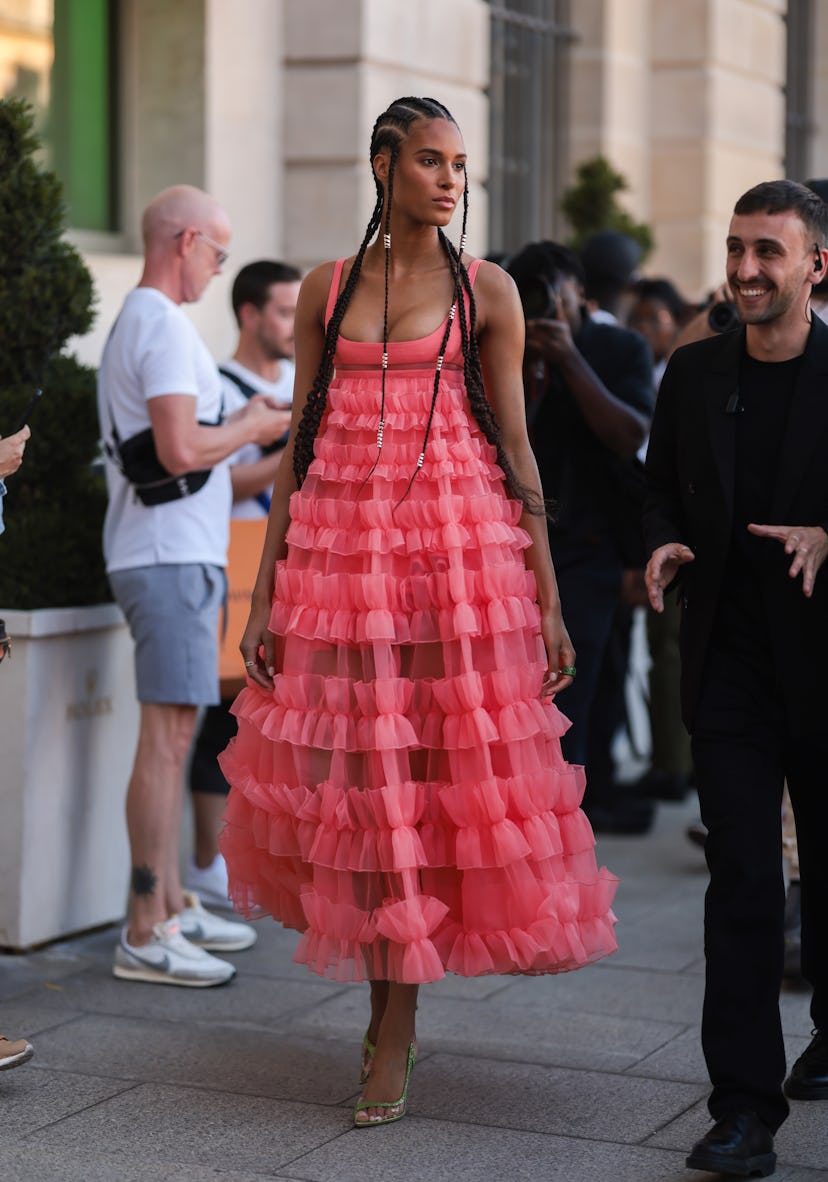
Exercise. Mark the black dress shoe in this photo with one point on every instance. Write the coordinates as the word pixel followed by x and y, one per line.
pixel 739 1145
pixel 809 1075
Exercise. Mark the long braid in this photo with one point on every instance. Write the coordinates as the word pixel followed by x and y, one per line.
pixel 389 130
pixel 317 398
pixel 480 406
pixel 386 236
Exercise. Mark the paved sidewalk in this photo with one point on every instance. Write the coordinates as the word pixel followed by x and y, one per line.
pixel 595 1075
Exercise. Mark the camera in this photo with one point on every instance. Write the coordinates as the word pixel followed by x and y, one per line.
pixel 723 317
pixel 539 297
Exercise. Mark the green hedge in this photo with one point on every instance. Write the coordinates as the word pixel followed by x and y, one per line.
pixel 50 554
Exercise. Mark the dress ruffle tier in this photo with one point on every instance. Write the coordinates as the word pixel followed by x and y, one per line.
pixel 400 797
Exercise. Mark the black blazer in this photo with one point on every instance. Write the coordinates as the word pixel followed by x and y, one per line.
pixel 690 489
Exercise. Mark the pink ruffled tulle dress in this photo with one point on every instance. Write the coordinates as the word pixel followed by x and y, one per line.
pixel 400 797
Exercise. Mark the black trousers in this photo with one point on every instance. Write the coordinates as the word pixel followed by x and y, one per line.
pixel 218 727
pixel 744 748
pixel 589 573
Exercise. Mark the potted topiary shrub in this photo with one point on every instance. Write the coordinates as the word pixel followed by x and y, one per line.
pixel 67 697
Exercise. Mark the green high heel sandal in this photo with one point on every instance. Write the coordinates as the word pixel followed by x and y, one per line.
pixel 394 1109
pixel 368 1051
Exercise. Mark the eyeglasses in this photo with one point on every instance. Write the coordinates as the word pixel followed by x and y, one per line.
pixel 222 255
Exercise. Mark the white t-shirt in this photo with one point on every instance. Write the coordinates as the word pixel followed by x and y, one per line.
pixel 153 350
pixel 281 391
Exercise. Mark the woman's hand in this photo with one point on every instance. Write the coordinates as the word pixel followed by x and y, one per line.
pixel 257 646
pixel 559 652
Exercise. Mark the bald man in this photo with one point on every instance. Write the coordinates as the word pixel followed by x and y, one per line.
pixel 165 544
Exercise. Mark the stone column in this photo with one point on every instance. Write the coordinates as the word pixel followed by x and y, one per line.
pixel 718 112
pixel 345 63
pixel 818 161
pixel 610 91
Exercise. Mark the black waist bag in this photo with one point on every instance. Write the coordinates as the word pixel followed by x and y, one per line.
pixel 154 485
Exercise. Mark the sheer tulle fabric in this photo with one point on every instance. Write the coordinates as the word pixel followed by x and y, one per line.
pixel 400 797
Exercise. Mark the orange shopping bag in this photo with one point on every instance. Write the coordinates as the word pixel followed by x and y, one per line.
pixel 243 556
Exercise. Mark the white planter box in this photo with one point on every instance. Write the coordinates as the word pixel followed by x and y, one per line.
pixel 69 725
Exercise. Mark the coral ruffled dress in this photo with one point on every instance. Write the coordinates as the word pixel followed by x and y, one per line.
pixel 400 796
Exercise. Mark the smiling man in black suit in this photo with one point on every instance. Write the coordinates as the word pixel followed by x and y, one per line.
pixel 736 516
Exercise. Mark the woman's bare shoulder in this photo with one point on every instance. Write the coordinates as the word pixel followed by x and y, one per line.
pixel 316 286
pixel 494 288
pixel 319 278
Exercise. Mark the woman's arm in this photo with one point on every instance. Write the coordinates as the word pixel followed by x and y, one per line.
pixel 501 338
pixel 310 338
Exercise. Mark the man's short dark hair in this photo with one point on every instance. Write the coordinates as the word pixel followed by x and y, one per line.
pixel 253 283
pixel 663 292
pixel 610 261
pixel 549 259
pixel 788 197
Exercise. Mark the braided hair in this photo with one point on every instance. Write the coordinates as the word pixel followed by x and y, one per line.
pixel 390 129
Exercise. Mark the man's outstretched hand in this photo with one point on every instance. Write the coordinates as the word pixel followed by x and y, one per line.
pixel 807 543
pixel 662 569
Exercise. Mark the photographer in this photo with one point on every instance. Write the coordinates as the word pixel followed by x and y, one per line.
pixel 589 392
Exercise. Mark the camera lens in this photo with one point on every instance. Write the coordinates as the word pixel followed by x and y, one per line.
pixel 723 317
pixel 538 298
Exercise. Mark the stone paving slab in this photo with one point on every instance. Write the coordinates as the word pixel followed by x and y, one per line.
pixel 585 1104
pixel 18 974
pixel 164 1124
pixel 218 1056
pixel 612 988
pixel 36 1097
pixel 29 1014
pixel 26 1162
pixel 667 938
pixel 530 1033
pixel 797 1175
pixel 248 999
pixel 682 1059
pixel 418 1149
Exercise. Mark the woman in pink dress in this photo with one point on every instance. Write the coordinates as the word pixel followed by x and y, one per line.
pixel 398 791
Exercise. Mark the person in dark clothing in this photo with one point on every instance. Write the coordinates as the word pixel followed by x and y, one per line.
pixel 737 452
pixel 589 392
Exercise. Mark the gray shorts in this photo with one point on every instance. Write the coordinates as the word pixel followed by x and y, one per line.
pixel 172 612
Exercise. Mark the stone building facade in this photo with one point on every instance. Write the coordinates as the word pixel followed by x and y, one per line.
pixel 268 104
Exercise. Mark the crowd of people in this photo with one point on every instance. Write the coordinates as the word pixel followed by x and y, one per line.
pixel 459 530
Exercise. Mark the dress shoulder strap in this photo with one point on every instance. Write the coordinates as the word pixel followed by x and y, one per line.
pixel 473 269
pixel 333 293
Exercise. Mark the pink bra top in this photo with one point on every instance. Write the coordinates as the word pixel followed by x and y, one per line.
pixel 415 354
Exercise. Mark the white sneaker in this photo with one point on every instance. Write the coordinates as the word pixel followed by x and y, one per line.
pixel 210 883
pixel 169 959
pixel 211 931
pixel 13 1052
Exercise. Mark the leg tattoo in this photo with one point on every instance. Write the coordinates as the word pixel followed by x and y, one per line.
pixel 143 880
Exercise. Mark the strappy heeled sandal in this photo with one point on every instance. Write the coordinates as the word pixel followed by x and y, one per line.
pixel 368 1051
pixel 394 1109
